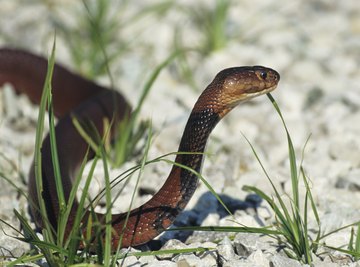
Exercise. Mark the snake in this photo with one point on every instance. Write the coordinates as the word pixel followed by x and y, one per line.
pixel 74 95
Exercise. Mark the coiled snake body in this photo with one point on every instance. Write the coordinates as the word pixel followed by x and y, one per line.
pixel 87 100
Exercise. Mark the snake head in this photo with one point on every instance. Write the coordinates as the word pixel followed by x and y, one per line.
pixel 234 85
pixel 242 83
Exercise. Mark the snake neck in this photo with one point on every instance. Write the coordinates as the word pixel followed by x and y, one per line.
pixel 182 181
pixel 193 142
pixel 194 139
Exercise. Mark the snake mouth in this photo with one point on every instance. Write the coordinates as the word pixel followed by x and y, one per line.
pixel 268 90
pixel 255 92
pixel 245 97
pixel 252 94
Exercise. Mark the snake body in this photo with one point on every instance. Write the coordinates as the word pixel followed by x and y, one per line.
pixel 84 99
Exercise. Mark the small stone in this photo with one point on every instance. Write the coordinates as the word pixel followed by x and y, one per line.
pixel 189 259
pixel 244 218
pixel 10 105
pixel 211 220
pixel 225 250
pixel 246 243
pixel 239 263
pixel 350 182
pixel 345 147
pixel 313 97
pixel 259 258
pixel 210 245
pixel 148 259
pixel 205 237
pixel 171 244
pixel 210 258
pixel 11 247
pixel 325 262
pixel 156 263
pixel 130 261
pixel 281 261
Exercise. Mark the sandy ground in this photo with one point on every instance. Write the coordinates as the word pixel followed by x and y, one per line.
pixel 314 45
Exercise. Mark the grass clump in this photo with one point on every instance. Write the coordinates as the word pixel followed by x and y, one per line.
pixel 92 40
pixel 212 23
pixel 354 243
pixel 292 220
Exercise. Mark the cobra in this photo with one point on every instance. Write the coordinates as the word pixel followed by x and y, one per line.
pixel 74 95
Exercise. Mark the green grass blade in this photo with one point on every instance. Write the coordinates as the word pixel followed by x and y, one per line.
pixel 56 169
pixel 38 145
pixel 313 205
pixel 228 229
pixel 355 254
pixel 25 259
pixel 211 189
pixel 164 252
pixel 142 166
pixel 129 131
pixel 87 132
pixel 100 150
pixel 150 81
pixel 283 213
pixel 32 238
pixel 73 240
pixel 339 229
pixel 357 242
pixel 292 157
pixel 108 216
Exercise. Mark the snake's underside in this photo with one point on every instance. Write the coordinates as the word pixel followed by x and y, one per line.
pixel 76 96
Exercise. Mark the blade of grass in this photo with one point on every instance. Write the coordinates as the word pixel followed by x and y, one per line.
pixel 285 218
pixel 164 252
pixel 357 243
pixel 100 150
pixel 292 157
pixel 292 225
pixel 47 231
pixel 56 168
pixel 141 170
pixel 355 254
pixel 211 189
pixel 108 216
pixel 74 238
pixel 227 229
pixel 125 142
pixel 339 229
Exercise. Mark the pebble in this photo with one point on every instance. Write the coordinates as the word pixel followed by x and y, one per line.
pixel 349 182
pixel 225 250
pixel 172 244
pixel 259 258
pixel 282 261
pixel 246 243
pixel 164 263
pixel 130 261
pixel 191 260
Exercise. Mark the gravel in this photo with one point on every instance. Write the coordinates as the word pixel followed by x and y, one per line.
pixel 314 45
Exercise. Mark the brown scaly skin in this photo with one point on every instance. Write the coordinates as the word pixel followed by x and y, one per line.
pixel 85 99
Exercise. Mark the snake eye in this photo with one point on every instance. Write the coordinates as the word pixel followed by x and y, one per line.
pixel 263 75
